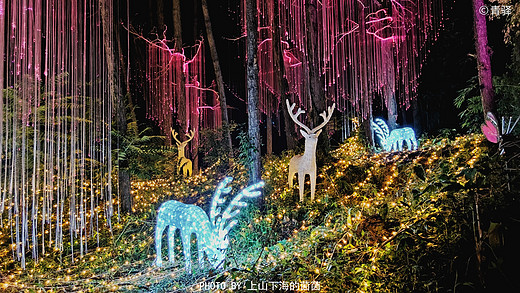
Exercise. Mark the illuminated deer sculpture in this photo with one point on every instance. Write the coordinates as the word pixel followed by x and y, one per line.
pixel 184 165
pixel 306 163
pixel 395 139
pixel 212 233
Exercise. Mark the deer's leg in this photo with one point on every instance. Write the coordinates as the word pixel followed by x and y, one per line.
pixel 186 248
pixel 200 250
pixel 183 168
pixel 301 183
pixel 158 239
pixel 313 183
pixel 414 143
pixel 171 243
pixel 291 175
pixel 189 168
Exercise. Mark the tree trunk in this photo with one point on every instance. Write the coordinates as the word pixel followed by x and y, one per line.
pixel 180 88
pixel 391 106
pixel 403 115
pixel 183 115
pixel 160 17
pixel 483 59
pixel 151 13
pixel 269 143
pixel 290 134
pixel 196 34
pixel 218 75
pixel 252 89
pixel 177 25
pixel 316 82
pixel 125 72
pixel 115 91
pixel 364 83
pixel 313 67
pixel 416 117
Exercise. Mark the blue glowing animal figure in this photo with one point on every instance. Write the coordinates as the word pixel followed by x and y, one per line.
pixel 212 233
pixel 394 140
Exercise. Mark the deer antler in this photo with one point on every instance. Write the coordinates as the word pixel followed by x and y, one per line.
pixel 326 117
pixel 229 212
pixel 174 134
pixel 215 210
pixel 294 116
pixel 190 136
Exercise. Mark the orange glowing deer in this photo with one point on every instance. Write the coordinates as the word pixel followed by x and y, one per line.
pixel 184 165
pixel 306 163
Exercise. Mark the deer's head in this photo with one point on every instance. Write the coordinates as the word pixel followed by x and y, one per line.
pixel 223 222
pixel 310 135
pixel 382 132
pixel 183 143
pixel 217 249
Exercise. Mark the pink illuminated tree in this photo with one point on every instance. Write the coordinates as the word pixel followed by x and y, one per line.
pixel 167 71
pixel 177 93
pixel 218 74
pixel 57 100
pixel 345 51
pixel 485 76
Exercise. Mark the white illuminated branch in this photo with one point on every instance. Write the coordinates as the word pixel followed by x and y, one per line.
pixel 212 233
pixel 306 163
pixel 184 165
pixel 395 139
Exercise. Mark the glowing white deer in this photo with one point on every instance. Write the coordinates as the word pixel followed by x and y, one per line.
pixel 184 165
pixel 212 233
pixel 306 163
pixel 394 140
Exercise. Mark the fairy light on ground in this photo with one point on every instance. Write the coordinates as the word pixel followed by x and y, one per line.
pixel 381 172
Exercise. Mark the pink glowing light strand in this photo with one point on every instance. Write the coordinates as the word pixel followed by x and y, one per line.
pixel 34 195
pixel 394 47
pixel 270 92
pixel 163 76
pixel 2 54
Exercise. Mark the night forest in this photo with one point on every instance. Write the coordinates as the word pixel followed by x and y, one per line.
pixel 259 146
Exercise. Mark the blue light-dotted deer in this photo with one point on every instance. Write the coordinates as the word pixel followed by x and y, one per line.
pixel 212 233
pixel 395 139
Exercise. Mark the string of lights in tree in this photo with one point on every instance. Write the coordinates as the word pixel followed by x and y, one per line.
pixel 165 70
pixel 385 175
pixel 396 33
pixel 55 125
